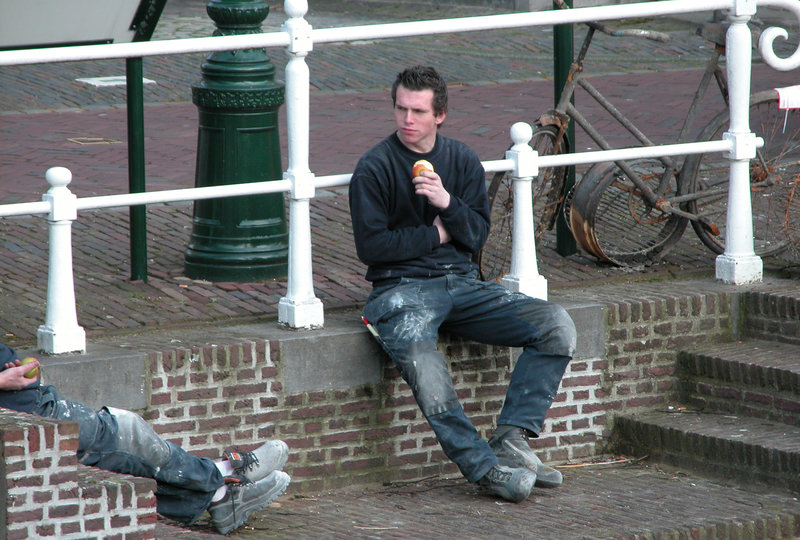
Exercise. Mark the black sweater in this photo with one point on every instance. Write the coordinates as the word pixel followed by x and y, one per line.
pixel 393 227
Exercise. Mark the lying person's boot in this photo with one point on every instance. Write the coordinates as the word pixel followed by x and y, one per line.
pixel 232 510
pixel 514 485
pixel 255 465
pixel 512 447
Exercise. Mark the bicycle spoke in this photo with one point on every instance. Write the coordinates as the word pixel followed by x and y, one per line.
pixel 773 177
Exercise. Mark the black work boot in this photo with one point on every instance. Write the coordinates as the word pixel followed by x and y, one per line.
pixel 512 448
pixel 514 485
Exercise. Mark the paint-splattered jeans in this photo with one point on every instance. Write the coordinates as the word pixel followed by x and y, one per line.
pixel 121 441
pixel 407 317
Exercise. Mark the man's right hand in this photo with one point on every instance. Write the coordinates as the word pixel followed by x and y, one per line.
pixel 444 236
pixel 13 377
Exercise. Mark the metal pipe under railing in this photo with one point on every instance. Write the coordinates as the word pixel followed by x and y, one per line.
pixel 342 180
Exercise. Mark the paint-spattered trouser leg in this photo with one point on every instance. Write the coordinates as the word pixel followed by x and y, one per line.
pixel 407 317
pixel 121 441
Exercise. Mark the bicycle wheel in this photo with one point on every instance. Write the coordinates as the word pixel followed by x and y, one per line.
pixel 773 178
pixel 611 220
pixel 495 257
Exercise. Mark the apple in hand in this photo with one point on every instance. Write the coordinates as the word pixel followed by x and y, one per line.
pixel 419 166
pixel 32 373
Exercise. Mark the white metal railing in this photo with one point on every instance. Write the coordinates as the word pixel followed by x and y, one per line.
pixel 300 307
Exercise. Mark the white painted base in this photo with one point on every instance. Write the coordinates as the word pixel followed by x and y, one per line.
pixel 301 314
pixel 61 341
pixel 535 287
pixel 739 270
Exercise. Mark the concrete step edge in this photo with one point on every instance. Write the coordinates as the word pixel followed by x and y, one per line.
pixel 754 378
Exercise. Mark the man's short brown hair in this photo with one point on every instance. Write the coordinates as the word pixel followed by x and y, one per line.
pixel 422 78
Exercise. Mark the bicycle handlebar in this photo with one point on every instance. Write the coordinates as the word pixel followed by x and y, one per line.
pixel 633 32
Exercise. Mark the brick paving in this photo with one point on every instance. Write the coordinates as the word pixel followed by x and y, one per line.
pixel 606 498
pixel 497 78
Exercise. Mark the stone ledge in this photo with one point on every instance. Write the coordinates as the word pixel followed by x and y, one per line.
pixel 113 371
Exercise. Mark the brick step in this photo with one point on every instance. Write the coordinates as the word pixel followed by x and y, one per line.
pixel 771 315
pixel 754 378
pixel 724 445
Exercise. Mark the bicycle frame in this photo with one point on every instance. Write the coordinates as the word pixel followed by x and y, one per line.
pixel 565 110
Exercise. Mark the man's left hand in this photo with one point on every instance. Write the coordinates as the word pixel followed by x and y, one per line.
pixel 429 184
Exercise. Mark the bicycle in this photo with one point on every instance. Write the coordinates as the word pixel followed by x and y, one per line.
pixel 634 212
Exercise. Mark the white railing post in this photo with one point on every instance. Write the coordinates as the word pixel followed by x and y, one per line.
pixel 524 275
pixel 300 308
pixel 60 333
pixel 739 264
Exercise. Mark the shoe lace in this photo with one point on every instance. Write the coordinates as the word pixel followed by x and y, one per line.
pixel 498 475
pixel 249 461
pixel 233 502
pixel 519 434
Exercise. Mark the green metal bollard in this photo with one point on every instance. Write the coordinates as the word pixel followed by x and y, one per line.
pixel 238 238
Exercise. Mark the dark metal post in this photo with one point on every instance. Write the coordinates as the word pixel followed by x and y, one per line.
pixel 562 60
pixel 136 172
pixel 238 238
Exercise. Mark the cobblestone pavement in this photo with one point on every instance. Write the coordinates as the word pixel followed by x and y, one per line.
pixel 90 141
pixel 603 499
pixel 47 119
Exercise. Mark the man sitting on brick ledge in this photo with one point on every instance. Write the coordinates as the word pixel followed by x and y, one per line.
pixel 121 441
pixel 418 232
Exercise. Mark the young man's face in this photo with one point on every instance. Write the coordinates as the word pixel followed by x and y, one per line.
pixel 415 119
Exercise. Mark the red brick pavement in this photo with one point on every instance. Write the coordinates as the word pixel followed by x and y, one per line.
pixel 604 499
pixel 344 126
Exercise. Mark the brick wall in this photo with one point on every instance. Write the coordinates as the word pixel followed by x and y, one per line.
pixel 49 494
pixel 208 398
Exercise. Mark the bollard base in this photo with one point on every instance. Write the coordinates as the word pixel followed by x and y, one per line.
pixel 228 247
pixel 225 266
pixel 739 270
pixel 62 340
pixel 295 314
pixel 535 287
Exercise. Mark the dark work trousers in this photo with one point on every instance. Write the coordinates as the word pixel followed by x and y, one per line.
pixel 121 441
pixel 407 317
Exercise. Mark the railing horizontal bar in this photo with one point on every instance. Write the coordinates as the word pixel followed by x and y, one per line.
pixel 626 154
pixel 516 20
pixel 20 209
pixel 188 194
pixel 354 33
pixel 498 165
pixel 143 48
pixel 335 180
pixel 342 180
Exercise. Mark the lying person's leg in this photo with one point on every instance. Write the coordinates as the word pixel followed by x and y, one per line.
pixel 121 441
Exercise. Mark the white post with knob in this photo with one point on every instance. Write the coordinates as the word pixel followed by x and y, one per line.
pixel 60 333
pixel 524 274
